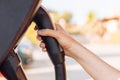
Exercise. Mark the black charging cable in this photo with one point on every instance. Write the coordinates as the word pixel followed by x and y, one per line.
pixel 43 21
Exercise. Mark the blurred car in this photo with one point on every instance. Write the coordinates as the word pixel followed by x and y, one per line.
pixel 25 51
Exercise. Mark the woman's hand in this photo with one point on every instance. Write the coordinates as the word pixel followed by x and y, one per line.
pixel 63 38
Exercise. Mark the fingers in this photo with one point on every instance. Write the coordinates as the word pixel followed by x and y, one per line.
pixel 42 45
pixel 51 33
pixel 39 37
pixel 48 32
pixel 44 50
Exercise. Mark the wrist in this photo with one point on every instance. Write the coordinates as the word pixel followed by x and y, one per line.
pixel 75 50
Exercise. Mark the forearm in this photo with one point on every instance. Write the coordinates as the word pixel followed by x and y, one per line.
pixel 96 67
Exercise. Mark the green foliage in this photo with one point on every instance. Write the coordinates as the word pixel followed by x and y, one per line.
pixel 91 17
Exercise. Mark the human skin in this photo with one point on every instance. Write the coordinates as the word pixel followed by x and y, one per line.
pixel 92 64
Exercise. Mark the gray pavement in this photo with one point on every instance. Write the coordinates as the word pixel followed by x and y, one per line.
pixel 42 68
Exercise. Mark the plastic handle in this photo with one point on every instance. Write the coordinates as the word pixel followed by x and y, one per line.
pixel 43 21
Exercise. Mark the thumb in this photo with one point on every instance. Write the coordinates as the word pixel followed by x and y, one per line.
pixel 59 27
pixel 48 32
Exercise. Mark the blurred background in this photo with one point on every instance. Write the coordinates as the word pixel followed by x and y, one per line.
pixel 94 23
